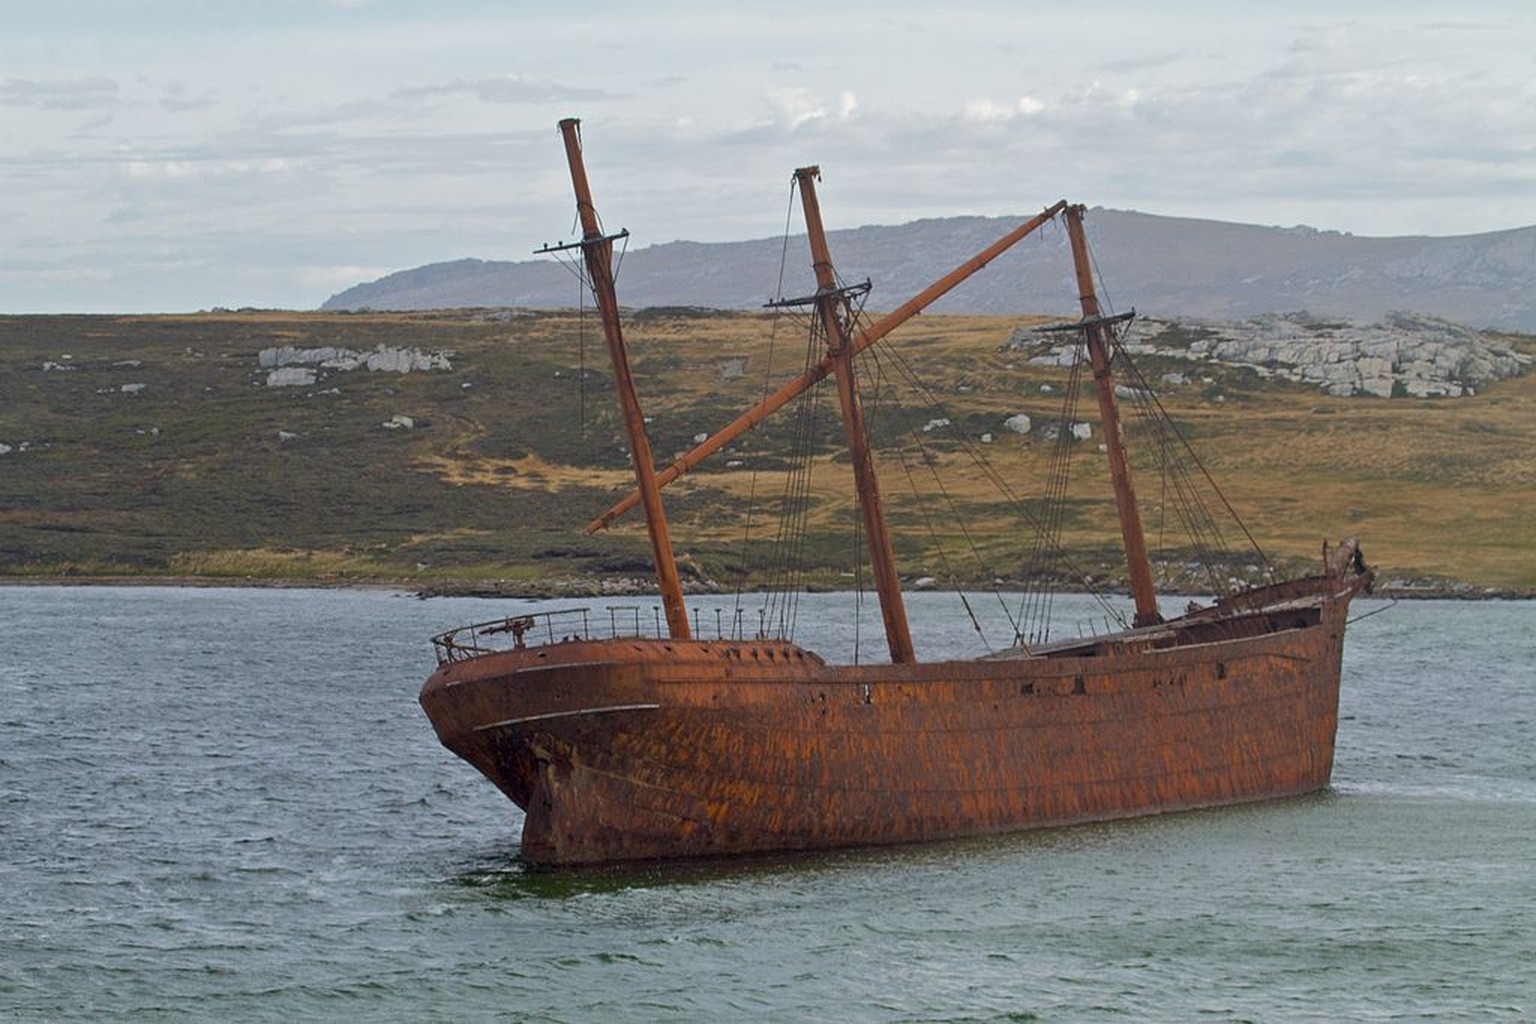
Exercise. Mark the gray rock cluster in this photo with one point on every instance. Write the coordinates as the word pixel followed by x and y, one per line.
pixel 1404 354
pixel 1020 423
pixel 288 366
pixel 290 376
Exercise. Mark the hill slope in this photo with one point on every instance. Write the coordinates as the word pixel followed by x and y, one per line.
pixel 1166 266
pixel 435 449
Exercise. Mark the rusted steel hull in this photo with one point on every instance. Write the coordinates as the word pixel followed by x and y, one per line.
pixel 638 749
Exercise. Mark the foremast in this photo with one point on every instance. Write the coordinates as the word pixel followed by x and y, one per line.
pixel 597 252
pixel 1096 336
pixel 832 309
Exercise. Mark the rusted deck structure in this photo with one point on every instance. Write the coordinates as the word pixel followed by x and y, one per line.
pixel 622 747
pixel 633 748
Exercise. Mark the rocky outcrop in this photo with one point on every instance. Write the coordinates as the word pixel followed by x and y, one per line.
pixel 289 366
pixel 1076 431
pixel 383 358
pixel 1405 354
pixel 291 376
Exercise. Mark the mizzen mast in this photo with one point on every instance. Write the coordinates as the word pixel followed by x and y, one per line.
pixel 597 251
pixel 832 309
pixel 1096 335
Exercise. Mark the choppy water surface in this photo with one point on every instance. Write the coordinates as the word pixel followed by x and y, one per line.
pixel 227 804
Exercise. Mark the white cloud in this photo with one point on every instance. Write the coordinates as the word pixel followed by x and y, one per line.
pixel 990 110
pixel 794 107
pixel 986 110
pixel 798 107
pixel 185 170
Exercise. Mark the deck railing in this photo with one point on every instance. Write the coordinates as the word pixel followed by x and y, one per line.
pixel 535 629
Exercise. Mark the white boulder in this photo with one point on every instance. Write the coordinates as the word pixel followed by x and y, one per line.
pixel 290 376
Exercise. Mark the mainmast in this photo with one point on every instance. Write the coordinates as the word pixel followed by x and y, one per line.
pixel 1096 335
pixel 832 309
pixel 597 250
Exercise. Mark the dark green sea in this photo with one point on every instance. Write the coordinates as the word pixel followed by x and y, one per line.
pixel 227 805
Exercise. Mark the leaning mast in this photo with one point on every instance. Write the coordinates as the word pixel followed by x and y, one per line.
pixel 597 251
pixel 831 303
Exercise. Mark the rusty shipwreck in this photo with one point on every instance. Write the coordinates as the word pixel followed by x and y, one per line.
pixel 634 747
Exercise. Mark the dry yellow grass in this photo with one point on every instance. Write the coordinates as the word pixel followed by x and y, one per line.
pixel 517 451
pixel 1433 487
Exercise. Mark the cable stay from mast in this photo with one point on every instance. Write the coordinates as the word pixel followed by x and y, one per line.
pixel 768 367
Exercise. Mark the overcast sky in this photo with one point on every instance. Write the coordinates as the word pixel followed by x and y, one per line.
pixel 169 155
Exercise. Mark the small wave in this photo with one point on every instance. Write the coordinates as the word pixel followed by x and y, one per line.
pixel 1472 789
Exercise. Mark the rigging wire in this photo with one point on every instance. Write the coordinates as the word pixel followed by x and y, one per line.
pixel 782 597
pixel 773 336
pixel 857 547
pixel 1199 524
pixel 787 569
pixel 581 349
pixel 928 458
pixel 1048 550
pixel 1038 602
pixel 576 266
pixel 623 249
pixel 1048 531
pixel 1194 512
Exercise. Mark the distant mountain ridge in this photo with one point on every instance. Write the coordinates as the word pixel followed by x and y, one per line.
pixel 1167 266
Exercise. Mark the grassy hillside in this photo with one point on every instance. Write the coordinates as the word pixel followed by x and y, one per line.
pixel 206 471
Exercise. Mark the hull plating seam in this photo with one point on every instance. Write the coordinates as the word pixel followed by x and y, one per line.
pixel 566 714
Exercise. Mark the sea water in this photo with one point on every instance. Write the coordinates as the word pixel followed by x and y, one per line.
pixel 226 804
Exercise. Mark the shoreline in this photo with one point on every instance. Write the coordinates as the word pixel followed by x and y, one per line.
pixel 556 588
